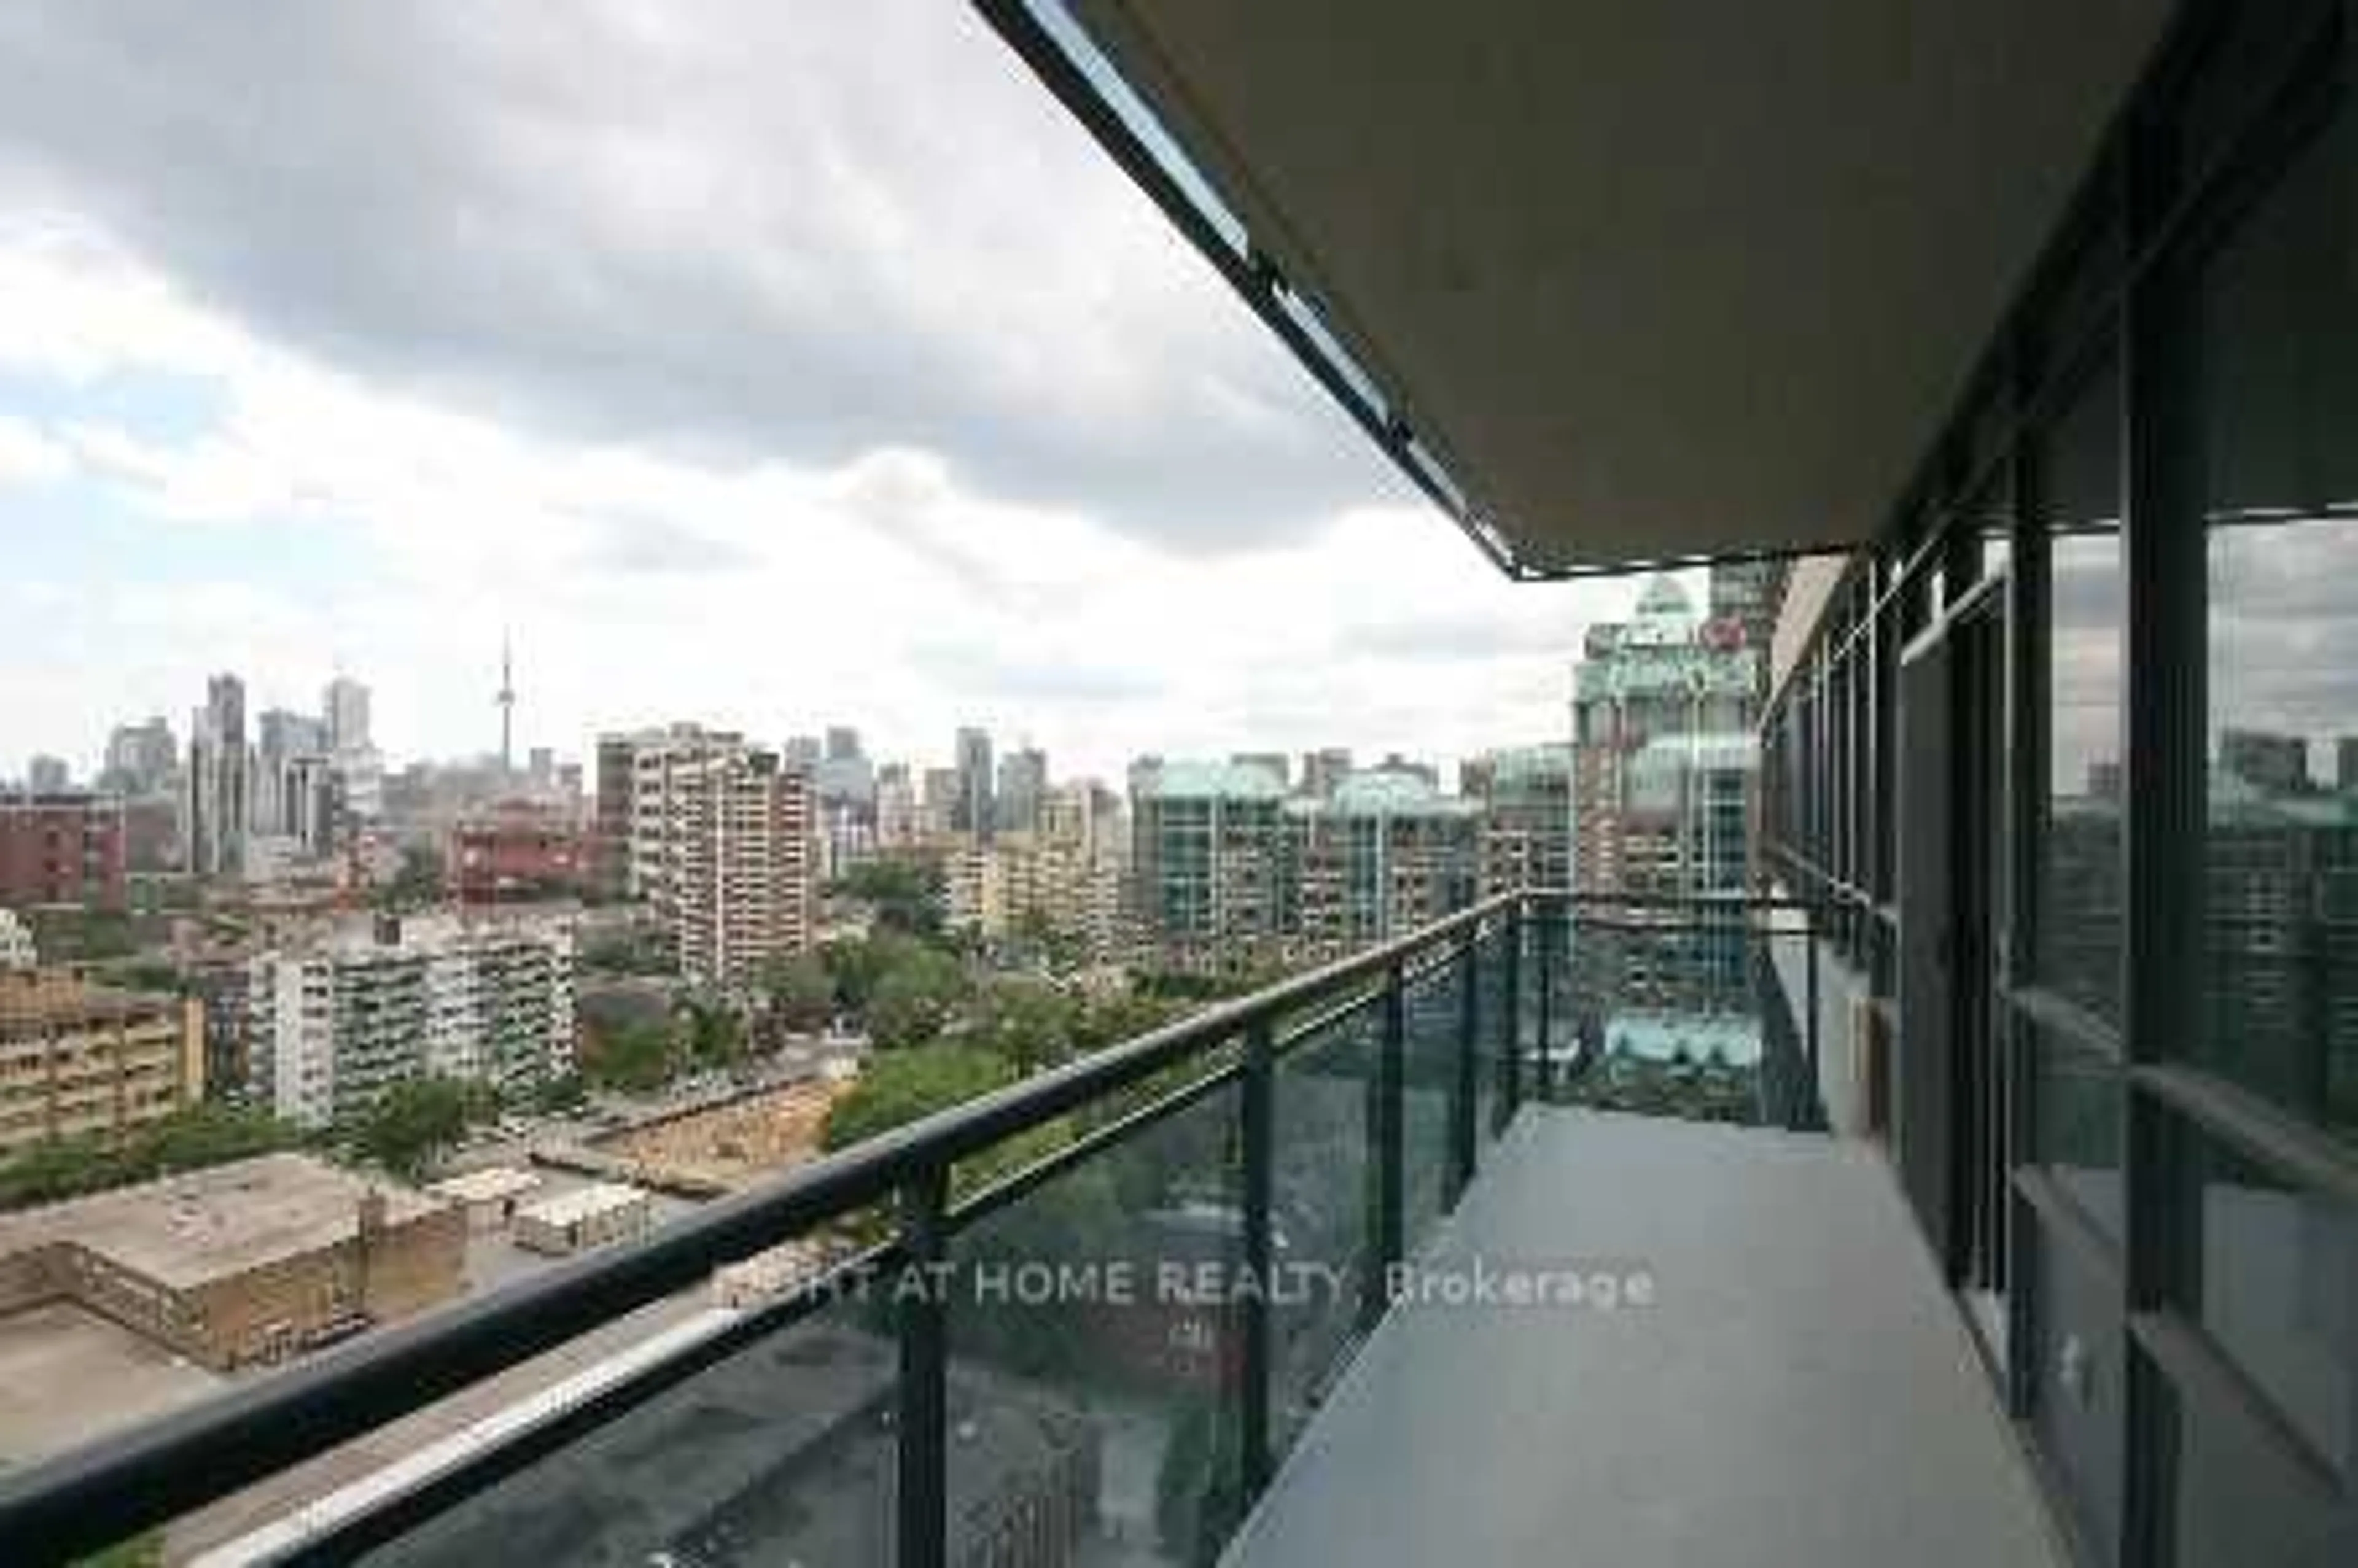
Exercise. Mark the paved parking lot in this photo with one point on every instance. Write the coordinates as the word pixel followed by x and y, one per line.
pixel 66 1375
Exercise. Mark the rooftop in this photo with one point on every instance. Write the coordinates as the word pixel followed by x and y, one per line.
pixel 1212 781
pixel 1386 791
pixel 584 1203
pixel 186 1230
pixel 488 1186
pixel 51 995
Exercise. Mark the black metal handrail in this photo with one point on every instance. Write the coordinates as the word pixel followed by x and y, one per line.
pixel 132 1480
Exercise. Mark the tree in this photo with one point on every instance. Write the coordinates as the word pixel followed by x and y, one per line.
pixel 57 1168
pixel 1057 944
pixel 801 992
pixel 189 1138
pixel 909 1085
pixel 416 884
pixel 907 895
pixel 916 999
pixel 1027 1023
pixel 632 1056
pixel 561 1094
pixel 210 1134
pixel 855 964
pixel 415 1122
pixel 713 1032
pixel 1111 1020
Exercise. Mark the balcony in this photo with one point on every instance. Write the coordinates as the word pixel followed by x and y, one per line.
pixel 1217 1289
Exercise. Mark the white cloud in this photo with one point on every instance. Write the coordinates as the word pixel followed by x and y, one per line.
pixel 886 585
pixel 29 456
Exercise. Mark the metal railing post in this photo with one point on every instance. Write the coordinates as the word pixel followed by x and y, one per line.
pixel 1511 1025
pixel 1813 1092
pixel 921 1312
pixel 1259 1132
pixel 1388 1140
pixel 1465 1111
pixel 1543 963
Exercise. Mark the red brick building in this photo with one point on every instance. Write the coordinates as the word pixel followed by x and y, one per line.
pixel 66 847
pixel 515 851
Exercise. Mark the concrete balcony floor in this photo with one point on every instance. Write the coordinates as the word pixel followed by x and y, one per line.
pixel 1801 1391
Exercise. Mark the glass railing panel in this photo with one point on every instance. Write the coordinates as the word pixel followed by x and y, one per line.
pixel 1094 1355
pixel 1321 1210
pixel 781 1452
pixel 1431 1011
pixel 1668 1013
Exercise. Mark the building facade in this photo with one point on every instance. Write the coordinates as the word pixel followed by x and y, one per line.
pixel 80 1061
pixel 514 851
pixel 723 847
pixel 333 1026
pixel 67 849
pixel 1381 854
pixel 1525 796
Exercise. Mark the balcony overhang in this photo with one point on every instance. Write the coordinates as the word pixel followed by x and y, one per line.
pixel 1620 283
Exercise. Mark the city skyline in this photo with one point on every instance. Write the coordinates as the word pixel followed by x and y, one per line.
pixel 1017 732
pixel 783 468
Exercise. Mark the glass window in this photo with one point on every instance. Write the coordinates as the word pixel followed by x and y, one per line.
pixel 2078 949
pixel 2076 1123
pixel 2270 1272
pixel 2243 1503
pixel 2076 1404
pixel 2275 318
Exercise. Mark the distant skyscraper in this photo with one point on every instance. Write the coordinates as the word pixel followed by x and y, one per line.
pixel 345 707
pixel 1323 770
pixel 356 767
pixel 845 778
pixel 284 794
pixel 896 806
pixel 2275 764
pixel 1022 782
pixel 938 800
pixel 976 811
pixel 141 758
pixel 1663 762
pixel 218 795
pixel 802 751
pixel 47 775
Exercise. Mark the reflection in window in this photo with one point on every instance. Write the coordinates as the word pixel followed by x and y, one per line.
pixel 2079 924
pixel 2076 1124
pixel 2277 341
pixel 2271 1273
pixel 2241 1502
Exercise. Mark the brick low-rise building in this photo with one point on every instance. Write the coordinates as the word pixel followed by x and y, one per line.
pixel 62 849
pixel 242 1264
pixel 515 853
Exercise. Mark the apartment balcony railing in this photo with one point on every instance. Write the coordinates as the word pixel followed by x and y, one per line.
pixel 1082 1319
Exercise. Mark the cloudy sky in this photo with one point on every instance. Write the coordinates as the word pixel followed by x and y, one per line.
pixel 776 364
